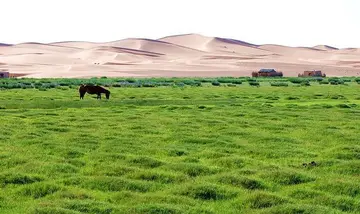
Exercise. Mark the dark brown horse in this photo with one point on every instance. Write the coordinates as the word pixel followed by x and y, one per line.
pixel 93 89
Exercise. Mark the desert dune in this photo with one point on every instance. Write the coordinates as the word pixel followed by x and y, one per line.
pixel 173 56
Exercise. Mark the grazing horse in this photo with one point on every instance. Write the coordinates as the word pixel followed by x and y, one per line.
pixel 93 89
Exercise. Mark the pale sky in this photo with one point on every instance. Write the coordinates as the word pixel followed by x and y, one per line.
pixel 285 22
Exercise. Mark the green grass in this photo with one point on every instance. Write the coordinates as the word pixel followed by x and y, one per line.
pixel 182 149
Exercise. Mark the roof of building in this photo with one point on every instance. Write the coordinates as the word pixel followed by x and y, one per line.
pixel 266 70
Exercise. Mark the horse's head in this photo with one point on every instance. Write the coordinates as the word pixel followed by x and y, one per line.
pixel 107 94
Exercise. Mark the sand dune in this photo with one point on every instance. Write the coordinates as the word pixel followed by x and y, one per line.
pixel 214 44
pixel 79 45
pixel 156 46
pixel 194 41
pixel 179 55
pixel 325 47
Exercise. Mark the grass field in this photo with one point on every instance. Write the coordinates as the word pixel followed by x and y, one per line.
pixel 209 149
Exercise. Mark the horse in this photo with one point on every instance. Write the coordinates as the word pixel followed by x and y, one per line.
pixel 93 89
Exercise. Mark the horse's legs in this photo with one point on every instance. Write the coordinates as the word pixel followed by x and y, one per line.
pixel 98 96
pixel 82 95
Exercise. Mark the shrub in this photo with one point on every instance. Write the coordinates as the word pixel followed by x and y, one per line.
pixel 229 80
pixel 254 83
pixel 37 84
pixel 190 82
pixel 324 82
pixel 149 85
pixel 180 84
pixel 23 86
pixel 318 79
pixel 130 80
pixel 305 83
pixel 236 81
pixel 279 84
pixel 336 81
pixel 215 83
pixel 251 80
pixel 231 85
pixel 296 80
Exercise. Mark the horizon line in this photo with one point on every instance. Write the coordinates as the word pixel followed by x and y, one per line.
pixel 175 35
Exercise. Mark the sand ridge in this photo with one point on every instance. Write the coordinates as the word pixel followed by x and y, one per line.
pixel 177 56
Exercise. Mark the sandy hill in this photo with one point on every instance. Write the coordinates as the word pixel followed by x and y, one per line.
pixel 325 48
pixel 155 46
pixel 214 44
pixel 75 44
pixel 178 55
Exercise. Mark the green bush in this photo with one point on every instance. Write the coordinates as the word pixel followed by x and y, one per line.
pixel 296 80
pixel 279 84
pixel 324 82
pixel 215 83
pixel 251 80
pixel 336 81
pixel 229 80
pixel 305 83
pixel 254 83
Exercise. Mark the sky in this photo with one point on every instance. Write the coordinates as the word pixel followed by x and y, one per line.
pixel 284 22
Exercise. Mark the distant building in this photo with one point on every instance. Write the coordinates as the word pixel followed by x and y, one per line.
pixel 267 73
pixel 314 73
pixel 4 74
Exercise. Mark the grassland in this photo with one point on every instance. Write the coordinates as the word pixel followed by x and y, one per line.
pixel 180 148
